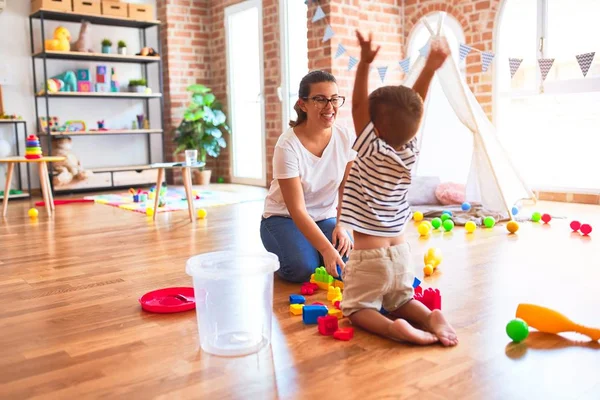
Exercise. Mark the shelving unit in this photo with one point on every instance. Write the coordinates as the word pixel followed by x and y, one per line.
pixel 106 177
pixel 15 123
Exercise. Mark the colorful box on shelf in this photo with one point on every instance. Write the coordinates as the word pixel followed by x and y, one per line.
pixel 114 8
pixel 141 12
pixel 92 7
pixel 51 5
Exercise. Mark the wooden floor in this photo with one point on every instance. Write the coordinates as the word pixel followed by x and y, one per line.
pixel 71 326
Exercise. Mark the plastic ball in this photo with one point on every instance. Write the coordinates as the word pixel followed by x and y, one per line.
pixel 444 217
pixel 418 216
pixel 512 226
pixel 517 330
pixel 149 211
pixel 33 212
pixel 447 212
pixel 429 224
pixel 489 222
pixel 575 225
pixel 448 225
pixel 436 223
pixel 428 270
pixel 465 206
pixel 202 213
pixel 433 257
pixel 586 229
pixel 424 229
pixel 536 216
pixel 515 210
pixel 470 226
pixel 546 218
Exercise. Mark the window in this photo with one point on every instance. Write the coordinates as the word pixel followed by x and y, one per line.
pixel 549 127
pixel 294 50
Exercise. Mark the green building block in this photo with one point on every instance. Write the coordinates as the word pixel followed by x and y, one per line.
pixel 321 275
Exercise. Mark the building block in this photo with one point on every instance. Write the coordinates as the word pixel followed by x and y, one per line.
pixel 418 290
pixel 102 88
pixel 84 75
pixel 416 282
pixel 328 324
pixel 84 86
pixel 309 288
pixel 337 300
pixel 336 304
pixel 336 312
pixel 339 271
pixel 296 309
pixel 333 293
pixel 316 303
pixel 431 298
pixel 297 299
pixel 344 334
pixel 338 284
pixel 312 312
pixel 321 275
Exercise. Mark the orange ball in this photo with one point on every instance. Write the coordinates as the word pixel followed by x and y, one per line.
pixel 428 270
pixel 512 226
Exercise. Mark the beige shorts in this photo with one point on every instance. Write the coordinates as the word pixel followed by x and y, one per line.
pixel 376 278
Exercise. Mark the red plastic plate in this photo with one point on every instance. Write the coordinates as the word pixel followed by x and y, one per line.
pixel 169 300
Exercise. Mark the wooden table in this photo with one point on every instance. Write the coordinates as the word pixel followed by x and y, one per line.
pixel 44 179
pixel 186 171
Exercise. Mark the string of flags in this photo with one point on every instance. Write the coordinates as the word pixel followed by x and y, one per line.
pixel 545 64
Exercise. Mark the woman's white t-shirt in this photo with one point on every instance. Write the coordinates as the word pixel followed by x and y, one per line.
pixel 320 176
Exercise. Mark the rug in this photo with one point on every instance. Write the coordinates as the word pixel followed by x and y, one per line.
pixel 175 200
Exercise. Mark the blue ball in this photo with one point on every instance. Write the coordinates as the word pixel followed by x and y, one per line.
pixel 465 206
pixel 515 211
pixel 447 212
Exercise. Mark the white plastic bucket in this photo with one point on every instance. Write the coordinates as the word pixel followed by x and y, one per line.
pixel 234 300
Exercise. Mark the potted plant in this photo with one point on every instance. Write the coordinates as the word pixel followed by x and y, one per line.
pixel 106 46
pixel 202 128
pixel 137 85
pixel 122 47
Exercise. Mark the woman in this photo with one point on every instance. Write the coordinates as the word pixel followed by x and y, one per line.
pixel 310 164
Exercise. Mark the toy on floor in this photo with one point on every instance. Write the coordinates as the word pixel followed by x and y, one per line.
pixel 33 148
pixel 550 321
pixel 512 226
pixel 465 206
pixel 344 334
pixel 448 225
pixel 436 223
pixel 515 210
pixel 327 325
pixel 424 229
pixel 201 213
pixel 433 257
pixel 321 278
pixel 546 218
pixel 430 297
pixel 61 40
pixel 517 330
pixel 65 201
pixel 312 312
pixel 470 227
pixel 536 216
pixel 586 229
pixel 489 222
pixel 297 299
pixel 418 216
pixel 33 213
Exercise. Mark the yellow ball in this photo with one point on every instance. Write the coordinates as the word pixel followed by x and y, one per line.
pixel 33 212
pixel 470 226
pixel 512 226
pixel 202 213
pixel 418 216
pixel 428 270
pixel 433 257
pixel 149 211
pixel 424 229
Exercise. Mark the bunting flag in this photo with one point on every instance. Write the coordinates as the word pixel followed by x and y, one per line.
pixel 514 64
pixel 319 14
pixel 585 61
pixel 545 65
pixel 424 50
pixel 340 50
pixel 486 60
pixel 405 65
pixel 463 51
pixel 329 33
pixel 352 62
pixel 382 71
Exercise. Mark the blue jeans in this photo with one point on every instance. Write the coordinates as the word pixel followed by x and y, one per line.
pixel 298 259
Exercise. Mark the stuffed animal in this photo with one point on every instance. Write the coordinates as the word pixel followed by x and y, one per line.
pixel 67 82
pixel 61 41
pixel 147 51
pixel 84 43
pixel 70 169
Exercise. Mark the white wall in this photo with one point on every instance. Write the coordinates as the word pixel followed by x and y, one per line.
pixel 93 151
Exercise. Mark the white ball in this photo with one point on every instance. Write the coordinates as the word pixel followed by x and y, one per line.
pixel 5 148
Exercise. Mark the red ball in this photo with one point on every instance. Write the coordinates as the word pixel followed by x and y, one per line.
pixel 546 218
pixel 586 229
pixel 575 225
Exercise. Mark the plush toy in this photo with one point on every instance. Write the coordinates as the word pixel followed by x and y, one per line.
pixel 147 51
pixel 61 41
pixel 449 193
pixel 67 82
pixel 84 43
pixel 70 169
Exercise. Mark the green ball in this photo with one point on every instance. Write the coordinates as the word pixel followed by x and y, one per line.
pixel 220 179
pixel 436 223
pixel 445 217
pixel 489 222
pixel 536 216
pixel 448 225
pixel 517 330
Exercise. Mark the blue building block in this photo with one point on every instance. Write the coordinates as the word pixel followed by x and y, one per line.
pixel 339 271
pixel 84 75
pixel 416 283
pixel 311 313
pixel 296 299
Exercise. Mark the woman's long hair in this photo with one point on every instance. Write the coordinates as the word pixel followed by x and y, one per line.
pixel 304 90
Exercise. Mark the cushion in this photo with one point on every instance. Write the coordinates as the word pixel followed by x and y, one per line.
pixel 422 190
pixel 449 193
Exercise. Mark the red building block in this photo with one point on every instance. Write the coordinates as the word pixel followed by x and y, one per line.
pixel 344 334
pixel 307 290
pixel 418 290
pixel 327 325
pixel 431 298
pixel 337 305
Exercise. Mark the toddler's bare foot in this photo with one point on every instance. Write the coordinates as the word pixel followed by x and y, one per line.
pixel 442 329
pixel 402 330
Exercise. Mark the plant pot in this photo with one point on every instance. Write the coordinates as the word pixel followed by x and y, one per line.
pixel 137 89
pixel 106 49
pixel 201 177
pixel 123 51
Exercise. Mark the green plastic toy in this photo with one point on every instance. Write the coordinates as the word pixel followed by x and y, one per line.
pixel 321 275
pixel 436 222
pixel 517 330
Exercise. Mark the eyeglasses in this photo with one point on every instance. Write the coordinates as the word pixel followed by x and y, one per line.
pixel 321 101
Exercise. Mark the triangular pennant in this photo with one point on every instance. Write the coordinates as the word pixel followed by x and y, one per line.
pixel 514 64
pixel 424 50
pixel 352 62
pixel 405 65
pixel 463 51
pixel 329 33
pixel 382 71
pixel 585 62
pixel 486 60
pixel 319 14
pixel 545 65
pixel 340 50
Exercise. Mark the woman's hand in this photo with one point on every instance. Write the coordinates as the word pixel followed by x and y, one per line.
pixel 341 241
pixel 331 259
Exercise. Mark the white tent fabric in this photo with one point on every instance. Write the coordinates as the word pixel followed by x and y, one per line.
pixel 472 154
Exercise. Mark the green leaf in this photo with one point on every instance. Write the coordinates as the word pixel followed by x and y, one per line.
pixel 214 132
pixel 198 99
pixel 198 89
pixel 209 99
pixel 219 118
pixel 198 114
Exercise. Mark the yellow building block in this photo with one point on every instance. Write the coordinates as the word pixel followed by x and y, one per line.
pixel 323 285
pixel 333 292
pixel 339 284
pixel 339 298
pixel 312 279
pixel 296 309
pixel 336 313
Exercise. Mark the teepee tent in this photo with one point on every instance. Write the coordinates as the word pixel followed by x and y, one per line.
pixel 472 154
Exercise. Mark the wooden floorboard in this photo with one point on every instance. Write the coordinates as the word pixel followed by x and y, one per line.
pixel 71 325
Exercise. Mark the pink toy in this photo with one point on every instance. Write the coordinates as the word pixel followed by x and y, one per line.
pixel 575 225
pixel 327 325
pixel 450 193
pixel 546 218
pixel 344 334
pixel 431 298
pixel 586 229
pixel 337 305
